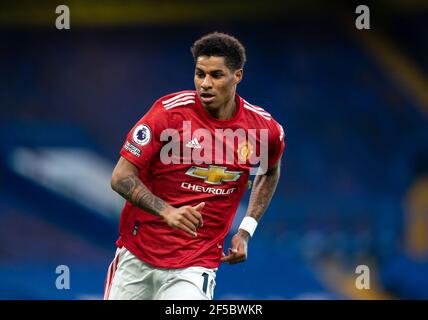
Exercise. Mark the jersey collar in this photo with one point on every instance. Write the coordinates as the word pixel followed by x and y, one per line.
pixel 207 116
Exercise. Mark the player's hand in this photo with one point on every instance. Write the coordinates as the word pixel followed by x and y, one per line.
pixel 238 252
pixel 186 218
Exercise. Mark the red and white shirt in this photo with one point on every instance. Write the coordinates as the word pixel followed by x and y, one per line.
pixel 185 157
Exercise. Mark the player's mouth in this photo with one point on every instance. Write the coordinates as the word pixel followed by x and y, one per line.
pixel 207 97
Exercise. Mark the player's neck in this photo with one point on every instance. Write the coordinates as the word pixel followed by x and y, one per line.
pixel 225 112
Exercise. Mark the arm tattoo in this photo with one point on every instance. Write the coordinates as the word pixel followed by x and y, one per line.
pixel 261 195
pixel 133 190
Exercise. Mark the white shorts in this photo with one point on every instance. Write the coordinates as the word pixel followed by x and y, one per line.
pixel 130 278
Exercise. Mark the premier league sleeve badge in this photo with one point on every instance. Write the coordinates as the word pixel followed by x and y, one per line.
pixel 142 135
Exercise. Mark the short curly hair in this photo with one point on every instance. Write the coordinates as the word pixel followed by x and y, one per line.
pixel 219 44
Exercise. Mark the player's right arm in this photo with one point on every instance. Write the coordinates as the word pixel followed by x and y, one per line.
pixel 141 146
pixel 125 182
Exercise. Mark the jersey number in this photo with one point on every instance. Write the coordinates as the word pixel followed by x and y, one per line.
pixel 205 285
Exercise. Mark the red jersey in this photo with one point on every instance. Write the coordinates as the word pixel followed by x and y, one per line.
pixel 186 156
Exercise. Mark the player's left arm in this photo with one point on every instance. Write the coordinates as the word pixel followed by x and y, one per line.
pixel 264 187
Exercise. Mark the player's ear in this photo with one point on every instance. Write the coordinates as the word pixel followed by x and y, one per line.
pixel 238 75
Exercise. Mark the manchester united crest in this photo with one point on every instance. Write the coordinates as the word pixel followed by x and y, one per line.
pixel 245 150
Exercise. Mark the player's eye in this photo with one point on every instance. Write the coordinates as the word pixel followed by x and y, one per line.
pixel 199 74
pixel 217 75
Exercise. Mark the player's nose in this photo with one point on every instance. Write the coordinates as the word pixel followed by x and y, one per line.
pixel 207 83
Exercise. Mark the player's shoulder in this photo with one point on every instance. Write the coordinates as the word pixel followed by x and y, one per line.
pixel 177 99
pixel 257 112
pixel 262 117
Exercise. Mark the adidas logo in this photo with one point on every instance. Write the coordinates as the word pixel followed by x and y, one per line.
pixel 193 144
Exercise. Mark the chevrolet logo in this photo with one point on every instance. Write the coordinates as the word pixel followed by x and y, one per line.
pixel 214 174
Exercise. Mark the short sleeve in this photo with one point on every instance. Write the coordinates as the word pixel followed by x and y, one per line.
pixel 276 144
pixel 143 142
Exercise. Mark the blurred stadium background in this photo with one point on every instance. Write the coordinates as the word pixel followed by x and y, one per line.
pixel 354 105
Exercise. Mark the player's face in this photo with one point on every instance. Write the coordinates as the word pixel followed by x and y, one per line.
pixel 215 82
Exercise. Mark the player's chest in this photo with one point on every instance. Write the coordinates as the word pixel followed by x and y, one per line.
pixel 236 147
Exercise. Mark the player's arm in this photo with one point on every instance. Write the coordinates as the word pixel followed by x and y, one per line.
pixel 264 187
pixel 125 182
